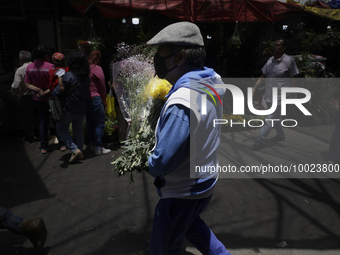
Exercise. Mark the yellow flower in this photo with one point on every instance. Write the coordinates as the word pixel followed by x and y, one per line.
pixel 233 117
pixel 157 88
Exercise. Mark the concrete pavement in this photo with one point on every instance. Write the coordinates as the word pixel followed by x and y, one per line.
pixel 89 210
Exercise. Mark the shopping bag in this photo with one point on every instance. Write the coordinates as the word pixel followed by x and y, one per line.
pixel 56 108
pixel 110 106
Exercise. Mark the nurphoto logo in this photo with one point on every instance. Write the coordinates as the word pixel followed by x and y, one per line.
pixel 238 104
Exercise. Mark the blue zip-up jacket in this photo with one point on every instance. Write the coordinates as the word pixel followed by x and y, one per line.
pixel 183 142
pixel 75 101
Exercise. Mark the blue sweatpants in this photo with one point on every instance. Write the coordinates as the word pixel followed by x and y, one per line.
pixel 176 219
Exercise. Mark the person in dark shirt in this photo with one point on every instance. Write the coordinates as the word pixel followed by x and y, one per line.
pixel 76 85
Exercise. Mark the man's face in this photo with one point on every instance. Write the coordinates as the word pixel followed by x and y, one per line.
pixel 165 51
pixel 278 47
pixel 165 61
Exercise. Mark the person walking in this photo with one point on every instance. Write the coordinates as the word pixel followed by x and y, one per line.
pixel 74 97
pixel 276 73
pixel 179 59
pixel 95 117
pixel 34 229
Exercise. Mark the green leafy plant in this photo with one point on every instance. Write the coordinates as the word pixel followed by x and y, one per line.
pixel 135 157
pixel 321 103
pixel 140 143
pixel 269 46
pixel 331 38
pixel 234 42
pixel 304 64
pixel 110 129
pixel 309 40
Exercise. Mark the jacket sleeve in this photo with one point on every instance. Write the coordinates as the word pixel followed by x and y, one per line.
pixel 173 141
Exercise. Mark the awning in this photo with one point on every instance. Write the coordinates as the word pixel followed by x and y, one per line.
pixel 196 10
pixel 322 10
pixel 333 14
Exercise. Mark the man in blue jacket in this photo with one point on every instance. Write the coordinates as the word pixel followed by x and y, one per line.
pixel 185 139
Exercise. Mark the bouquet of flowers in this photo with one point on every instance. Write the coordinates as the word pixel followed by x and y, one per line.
pixel 141 98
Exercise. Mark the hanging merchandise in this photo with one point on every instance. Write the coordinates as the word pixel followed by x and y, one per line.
pixel 93 42
pixel 234 41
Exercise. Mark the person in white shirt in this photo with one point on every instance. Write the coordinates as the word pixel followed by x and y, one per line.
pixel 20 90
pixel 276 73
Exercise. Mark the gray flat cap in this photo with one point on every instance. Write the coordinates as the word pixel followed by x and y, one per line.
pixel 180 33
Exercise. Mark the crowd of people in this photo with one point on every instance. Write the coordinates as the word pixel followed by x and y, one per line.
pixel 179 59
pixel 81 88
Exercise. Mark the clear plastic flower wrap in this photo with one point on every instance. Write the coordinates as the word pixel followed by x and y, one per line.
pixel 141 98
pixel 130 77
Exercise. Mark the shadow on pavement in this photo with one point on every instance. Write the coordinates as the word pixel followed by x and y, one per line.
pixel 300 214
pixel 20 182
pixel 96 212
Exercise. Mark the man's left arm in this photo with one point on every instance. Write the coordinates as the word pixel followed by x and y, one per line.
pixel 173 141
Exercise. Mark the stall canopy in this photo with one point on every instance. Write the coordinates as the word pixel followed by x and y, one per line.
pixel 322 10
pixel 196 10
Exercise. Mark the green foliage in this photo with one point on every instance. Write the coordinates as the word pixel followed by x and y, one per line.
pixel 321 103
pixel 140 143
pixel 97 44
pixel 331 38
pixel 135 158
pixel 304 65
pixel 311 41
pixel 308 68
pixel 322 92
pixel 110 128
pixel 269 46
pixel 234 42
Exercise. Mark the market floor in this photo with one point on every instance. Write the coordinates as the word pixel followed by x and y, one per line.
pixel 89 210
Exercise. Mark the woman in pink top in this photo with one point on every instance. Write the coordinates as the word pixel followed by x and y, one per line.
pixel 95 116
pixel 37 79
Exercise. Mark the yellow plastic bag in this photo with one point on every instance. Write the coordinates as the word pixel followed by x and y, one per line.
pixel 110 106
